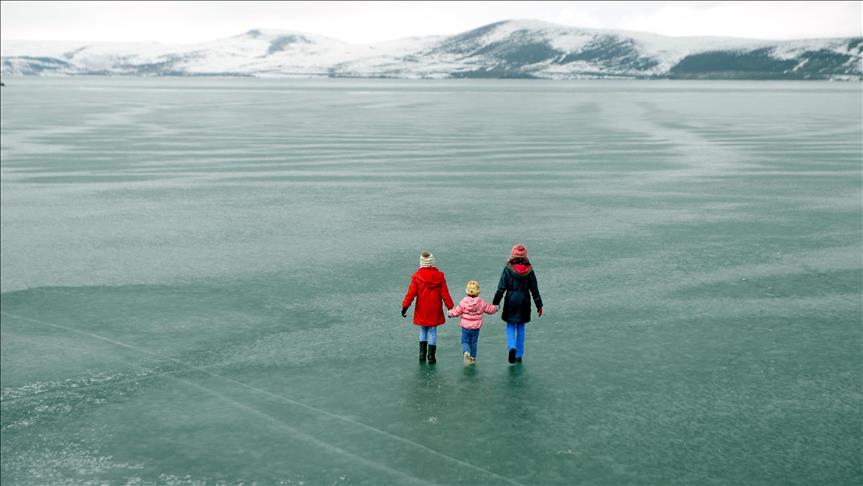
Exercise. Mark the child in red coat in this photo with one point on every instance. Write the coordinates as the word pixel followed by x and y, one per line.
pixel 428 285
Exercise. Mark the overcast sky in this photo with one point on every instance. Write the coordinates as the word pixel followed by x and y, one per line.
pixel 363 22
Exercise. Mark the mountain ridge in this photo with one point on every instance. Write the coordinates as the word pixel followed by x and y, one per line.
pixel 512 48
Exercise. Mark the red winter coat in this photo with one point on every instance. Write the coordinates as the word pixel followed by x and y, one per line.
pixel 428 285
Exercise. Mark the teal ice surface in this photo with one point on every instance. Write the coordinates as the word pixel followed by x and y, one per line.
pixel 201 281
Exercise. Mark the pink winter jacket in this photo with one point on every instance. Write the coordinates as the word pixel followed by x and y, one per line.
pixel 471 309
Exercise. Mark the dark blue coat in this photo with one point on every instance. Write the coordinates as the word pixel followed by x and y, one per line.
pixel 518 288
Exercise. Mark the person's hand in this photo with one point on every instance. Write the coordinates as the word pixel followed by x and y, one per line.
pixel 539 311
pixel 405 312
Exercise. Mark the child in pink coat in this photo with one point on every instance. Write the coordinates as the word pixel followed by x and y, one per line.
pixel 471 309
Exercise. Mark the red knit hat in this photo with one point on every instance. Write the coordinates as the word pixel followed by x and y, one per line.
pixel 519 251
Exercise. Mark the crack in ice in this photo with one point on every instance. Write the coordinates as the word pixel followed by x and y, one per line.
pixel 277 397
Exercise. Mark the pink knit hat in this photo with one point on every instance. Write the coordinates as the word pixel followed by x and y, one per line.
pixel 519 251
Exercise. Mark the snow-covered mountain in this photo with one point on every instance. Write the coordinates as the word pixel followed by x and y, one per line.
pixel 507 49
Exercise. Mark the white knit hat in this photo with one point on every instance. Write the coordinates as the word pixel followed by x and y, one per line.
pixel 426 259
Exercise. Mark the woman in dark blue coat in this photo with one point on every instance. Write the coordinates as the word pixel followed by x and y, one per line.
pixel 518 283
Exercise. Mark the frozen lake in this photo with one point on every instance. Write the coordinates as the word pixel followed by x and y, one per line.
pixel 201 281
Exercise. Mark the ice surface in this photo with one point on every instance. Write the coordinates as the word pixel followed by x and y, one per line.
pixel 201 281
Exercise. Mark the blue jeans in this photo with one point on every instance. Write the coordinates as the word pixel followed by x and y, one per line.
pixel 469 338
pixel 429 333
pixel 515 338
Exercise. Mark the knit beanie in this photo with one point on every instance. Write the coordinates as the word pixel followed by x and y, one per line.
pixel 472 288
pixel 519 251
pixel 426 260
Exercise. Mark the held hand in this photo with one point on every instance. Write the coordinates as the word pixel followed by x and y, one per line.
pixel 405 312
pixel 539 311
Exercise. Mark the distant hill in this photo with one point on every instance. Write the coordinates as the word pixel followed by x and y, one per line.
pixel 508 49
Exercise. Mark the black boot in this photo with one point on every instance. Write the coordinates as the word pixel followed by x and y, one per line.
pixel 432 349
pixel 423 345
pixel 511 357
